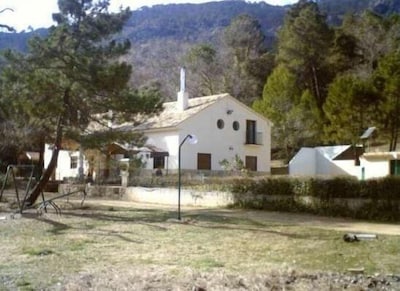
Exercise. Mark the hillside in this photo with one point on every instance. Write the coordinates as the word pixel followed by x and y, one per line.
pixel 198 22
pixel 18 41
pixel 201 22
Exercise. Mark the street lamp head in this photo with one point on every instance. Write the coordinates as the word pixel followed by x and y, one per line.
pixel 192 139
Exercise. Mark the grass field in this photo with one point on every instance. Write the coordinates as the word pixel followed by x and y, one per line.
pixel 102 247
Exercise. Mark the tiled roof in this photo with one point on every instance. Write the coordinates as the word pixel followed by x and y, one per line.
pixel 171 116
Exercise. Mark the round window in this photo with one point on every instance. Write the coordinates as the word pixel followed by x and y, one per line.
pixel 236 125
pixel 220 124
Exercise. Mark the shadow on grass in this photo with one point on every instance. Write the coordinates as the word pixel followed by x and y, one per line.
pixel 58 227
pixel 206 218
pixel 243 224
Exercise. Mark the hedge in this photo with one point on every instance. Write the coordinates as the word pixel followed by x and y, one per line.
pixel 379 199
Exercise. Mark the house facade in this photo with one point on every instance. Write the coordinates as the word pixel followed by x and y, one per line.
pixel 68 164
pixel 327 161
pixel 380 164
pixel 345 160
pixel 224 128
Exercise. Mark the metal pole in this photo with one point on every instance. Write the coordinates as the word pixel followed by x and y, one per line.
pixel 179 175
pixel 179 181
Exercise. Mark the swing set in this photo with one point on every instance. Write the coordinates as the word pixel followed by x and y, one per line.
pixel 31 180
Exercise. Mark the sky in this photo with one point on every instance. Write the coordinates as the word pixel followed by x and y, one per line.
pixel 35 14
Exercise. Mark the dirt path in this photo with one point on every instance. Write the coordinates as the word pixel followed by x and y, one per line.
pixel 340 224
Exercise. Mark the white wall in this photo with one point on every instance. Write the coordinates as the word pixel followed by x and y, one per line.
pixel 303 163
pixel 225 143
pixel 325 166
pixel 168 141
pixel 311 162
pixel 348 167
pixel 375 168
pixel 220 143
pixel 63 169
pixel 169 196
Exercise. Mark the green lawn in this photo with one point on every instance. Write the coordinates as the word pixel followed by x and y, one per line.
pixel 47 251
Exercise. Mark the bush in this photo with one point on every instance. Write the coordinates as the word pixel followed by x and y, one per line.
pixel 380 197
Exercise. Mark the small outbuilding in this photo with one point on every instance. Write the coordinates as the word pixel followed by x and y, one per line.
pixel 327 161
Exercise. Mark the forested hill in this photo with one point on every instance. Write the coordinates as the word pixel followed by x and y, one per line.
pixel 336 9
pixel 18 41
pixel 201 22
pixel 194 22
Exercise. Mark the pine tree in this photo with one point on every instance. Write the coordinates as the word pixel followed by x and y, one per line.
pixel 303 47
pixel 73 74
pixel 350 108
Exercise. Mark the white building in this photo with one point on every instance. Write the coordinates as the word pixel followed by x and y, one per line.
pixel 68 163
pixel 224 128
pixel 380 164
pixel 327 161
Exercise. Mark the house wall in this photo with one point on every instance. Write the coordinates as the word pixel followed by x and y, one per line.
pixel 304 163
pixel 313 162
pixel 325 167
pixel 63 169
pixel 348 167
pixel 222 143
pixel 168 141
pixel 225 143
pixel 375 168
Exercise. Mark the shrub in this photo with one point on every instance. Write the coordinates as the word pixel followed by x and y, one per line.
pixel 323 196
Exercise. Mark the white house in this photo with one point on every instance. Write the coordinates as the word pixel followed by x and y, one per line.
pixel 327 161
pixel 364 162
pixel 380 164
pixel 224 128
pixel 68 164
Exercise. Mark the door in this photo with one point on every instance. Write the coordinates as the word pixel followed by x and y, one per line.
pixel 203 161
pixel 251 163
pixel 395 167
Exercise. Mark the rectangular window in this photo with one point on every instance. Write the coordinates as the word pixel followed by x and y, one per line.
pixel 203 161
pixel 251 134
pixel 395 167
pixel 251 163
pixel 74 163
pixel 159 162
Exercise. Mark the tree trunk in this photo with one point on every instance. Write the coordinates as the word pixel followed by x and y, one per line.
pixel 316 88
pixel 44 179
pixel 40 166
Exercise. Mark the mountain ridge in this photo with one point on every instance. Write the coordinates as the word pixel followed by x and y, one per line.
pixel 200 22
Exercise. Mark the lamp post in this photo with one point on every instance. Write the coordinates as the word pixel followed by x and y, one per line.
pixel 192 139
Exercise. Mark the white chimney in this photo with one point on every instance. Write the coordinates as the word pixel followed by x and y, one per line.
pixel 183 96
pixel 110 118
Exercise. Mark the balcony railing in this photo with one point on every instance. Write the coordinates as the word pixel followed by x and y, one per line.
pixel 256 139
